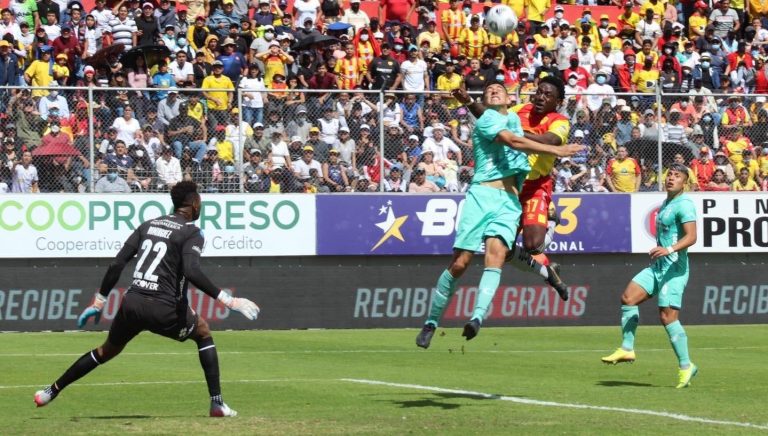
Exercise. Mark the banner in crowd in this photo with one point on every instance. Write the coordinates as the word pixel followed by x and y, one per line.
pixel 426 224
pixel 726 222
pixel 53 226
pixel 389 292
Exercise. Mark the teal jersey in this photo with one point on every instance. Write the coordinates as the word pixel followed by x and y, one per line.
pixel 494 160
pixel 669 228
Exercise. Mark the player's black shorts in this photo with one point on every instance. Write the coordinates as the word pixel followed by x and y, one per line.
pixel 138 313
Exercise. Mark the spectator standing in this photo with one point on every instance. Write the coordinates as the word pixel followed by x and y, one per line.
pixel 356 16
pixel 218 101
pixel 123 28
pixel 254 95
pixel 233 61
pixel 147 26
pixel 127 126
pixel 623 172
pixel 25 178
pixel 383 70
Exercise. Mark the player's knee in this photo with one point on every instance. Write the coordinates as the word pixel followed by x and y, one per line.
pixel 458 266
pixel 667 317
pixel 203 331
pixel 626 300
pixel 108 351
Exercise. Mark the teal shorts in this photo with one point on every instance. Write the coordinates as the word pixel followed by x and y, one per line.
pixel 487 212
pixel 669 287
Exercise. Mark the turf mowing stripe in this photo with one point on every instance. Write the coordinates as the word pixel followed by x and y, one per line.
pixel 183 353
pixel 177 382
pixel 531 402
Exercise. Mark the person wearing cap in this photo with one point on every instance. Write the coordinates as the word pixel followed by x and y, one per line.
pixel 10 74
pixel 473 40
pixel 383 70
pixel 123 28
pixel 557 20
pixel 234 62
pixel 219 102
pixel 38 73
pixel 355 16
pixel 735 114
pixel 440 144
pixel 223 17
pixel 583 76
pixel 307 162
pixel 275 61
pixel 263 16
pixel 148 28
pixel 448 82
pixel 703 167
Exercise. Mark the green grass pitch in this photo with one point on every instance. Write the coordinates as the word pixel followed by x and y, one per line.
pixel 299 382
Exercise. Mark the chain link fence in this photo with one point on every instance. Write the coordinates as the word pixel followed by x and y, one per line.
pixel 321 141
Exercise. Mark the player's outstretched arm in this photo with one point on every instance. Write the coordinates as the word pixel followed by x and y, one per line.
pixel 111 277
pixel 196 276
pixel 475 107
pixel 524 144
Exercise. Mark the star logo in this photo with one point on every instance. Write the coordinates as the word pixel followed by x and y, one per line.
pixel 390 226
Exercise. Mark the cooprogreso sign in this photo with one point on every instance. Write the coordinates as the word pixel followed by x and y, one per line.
pixel 34 226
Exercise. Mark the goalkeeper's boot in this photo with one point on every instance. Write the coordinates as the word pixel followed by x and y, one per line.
pixel 425 335
pixel 471 329
pixel 619 356
pixel 684 376
pixel 219 410
pixel 553 279
pixel 44 396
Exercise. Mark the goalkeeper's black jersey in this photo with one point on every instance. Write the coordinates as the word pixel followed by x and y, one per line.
pixel 161 245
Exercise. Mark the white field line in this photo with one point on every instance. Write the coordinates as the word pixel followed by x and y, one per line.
pixel 175 382
pixel 281 352
pixel 531 402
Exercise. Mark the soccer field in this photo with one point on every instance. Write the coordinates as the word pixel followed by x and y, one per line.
pixel 506 381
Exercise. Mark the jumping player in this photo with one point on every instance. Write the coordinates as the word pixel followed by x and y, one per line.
pixel 169 249
pixel 541 123
pixel 492 209
pixel 666 278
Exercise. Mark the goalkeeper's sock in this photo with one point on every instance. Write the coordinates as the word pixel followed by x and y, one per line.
pixel 82 366
pixel 446 286
pixel 209 360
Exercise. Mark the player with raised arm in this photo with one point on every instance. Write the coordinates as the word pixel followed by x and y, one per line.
pixel 491 211
pixel 541 123
pixel 169 249
pixel 666 278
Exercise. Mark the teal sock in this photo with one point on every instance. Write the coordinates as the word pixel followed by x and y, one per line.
pixel 446 286
pixel 489 282
pixel 679 341
pixel 630 316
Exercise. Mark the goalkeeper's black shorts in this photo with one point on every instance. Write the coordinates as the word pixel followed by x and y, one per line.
pixel 138 313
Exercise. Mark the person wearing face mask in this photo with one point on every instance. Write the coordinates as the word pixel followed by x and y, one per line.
pixel 51 101
pixel 706 73
pixel 599 91
pixel 111 182
pixel 558 19
pixel 735 114
pixel 574 68
pixel 573 91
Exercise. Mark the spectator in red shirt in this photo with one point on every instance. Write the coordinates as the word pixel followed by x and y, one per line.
pixel 581 73
pixel 625 71
pixel 703 168
pixel 396 10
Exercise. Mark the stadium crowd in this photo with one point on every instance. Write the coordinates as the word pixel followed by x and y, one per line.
pixel 307 117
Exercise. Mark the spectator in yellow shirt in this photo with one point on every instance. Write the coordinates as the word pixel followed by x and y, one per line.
pixel 624 173
pixel 544 39
pixel 645 79
pixel 432 37
pixel 39 72
pixel 448 82
pixel 218 101
pixel 474 40
pixel 453 21
pixel 744 183
pixel 535 13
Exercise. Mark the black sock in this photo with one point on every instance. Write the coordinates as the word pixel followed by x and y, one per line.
pixel 82 366
pixel 209 360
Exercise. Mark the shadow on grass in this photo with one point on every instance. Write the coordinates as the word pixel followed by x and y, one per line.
pixel 430 402
pixel 106 417
pixel 618 383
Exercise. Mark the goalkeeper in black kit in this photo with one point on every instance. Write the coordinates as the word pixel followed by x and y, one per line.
pixel 169 249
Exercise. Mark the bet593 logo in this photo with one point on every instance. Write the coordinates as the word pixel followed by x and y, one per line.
pixel 440 217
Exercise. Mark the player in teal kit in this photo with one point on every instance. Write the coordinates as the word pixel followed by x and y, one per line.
pixel 666 278
pixel 491 211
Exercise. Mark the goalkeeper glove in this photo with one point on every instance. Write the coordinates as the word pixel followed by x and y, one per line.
pixel 248 308
pixel 94 310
